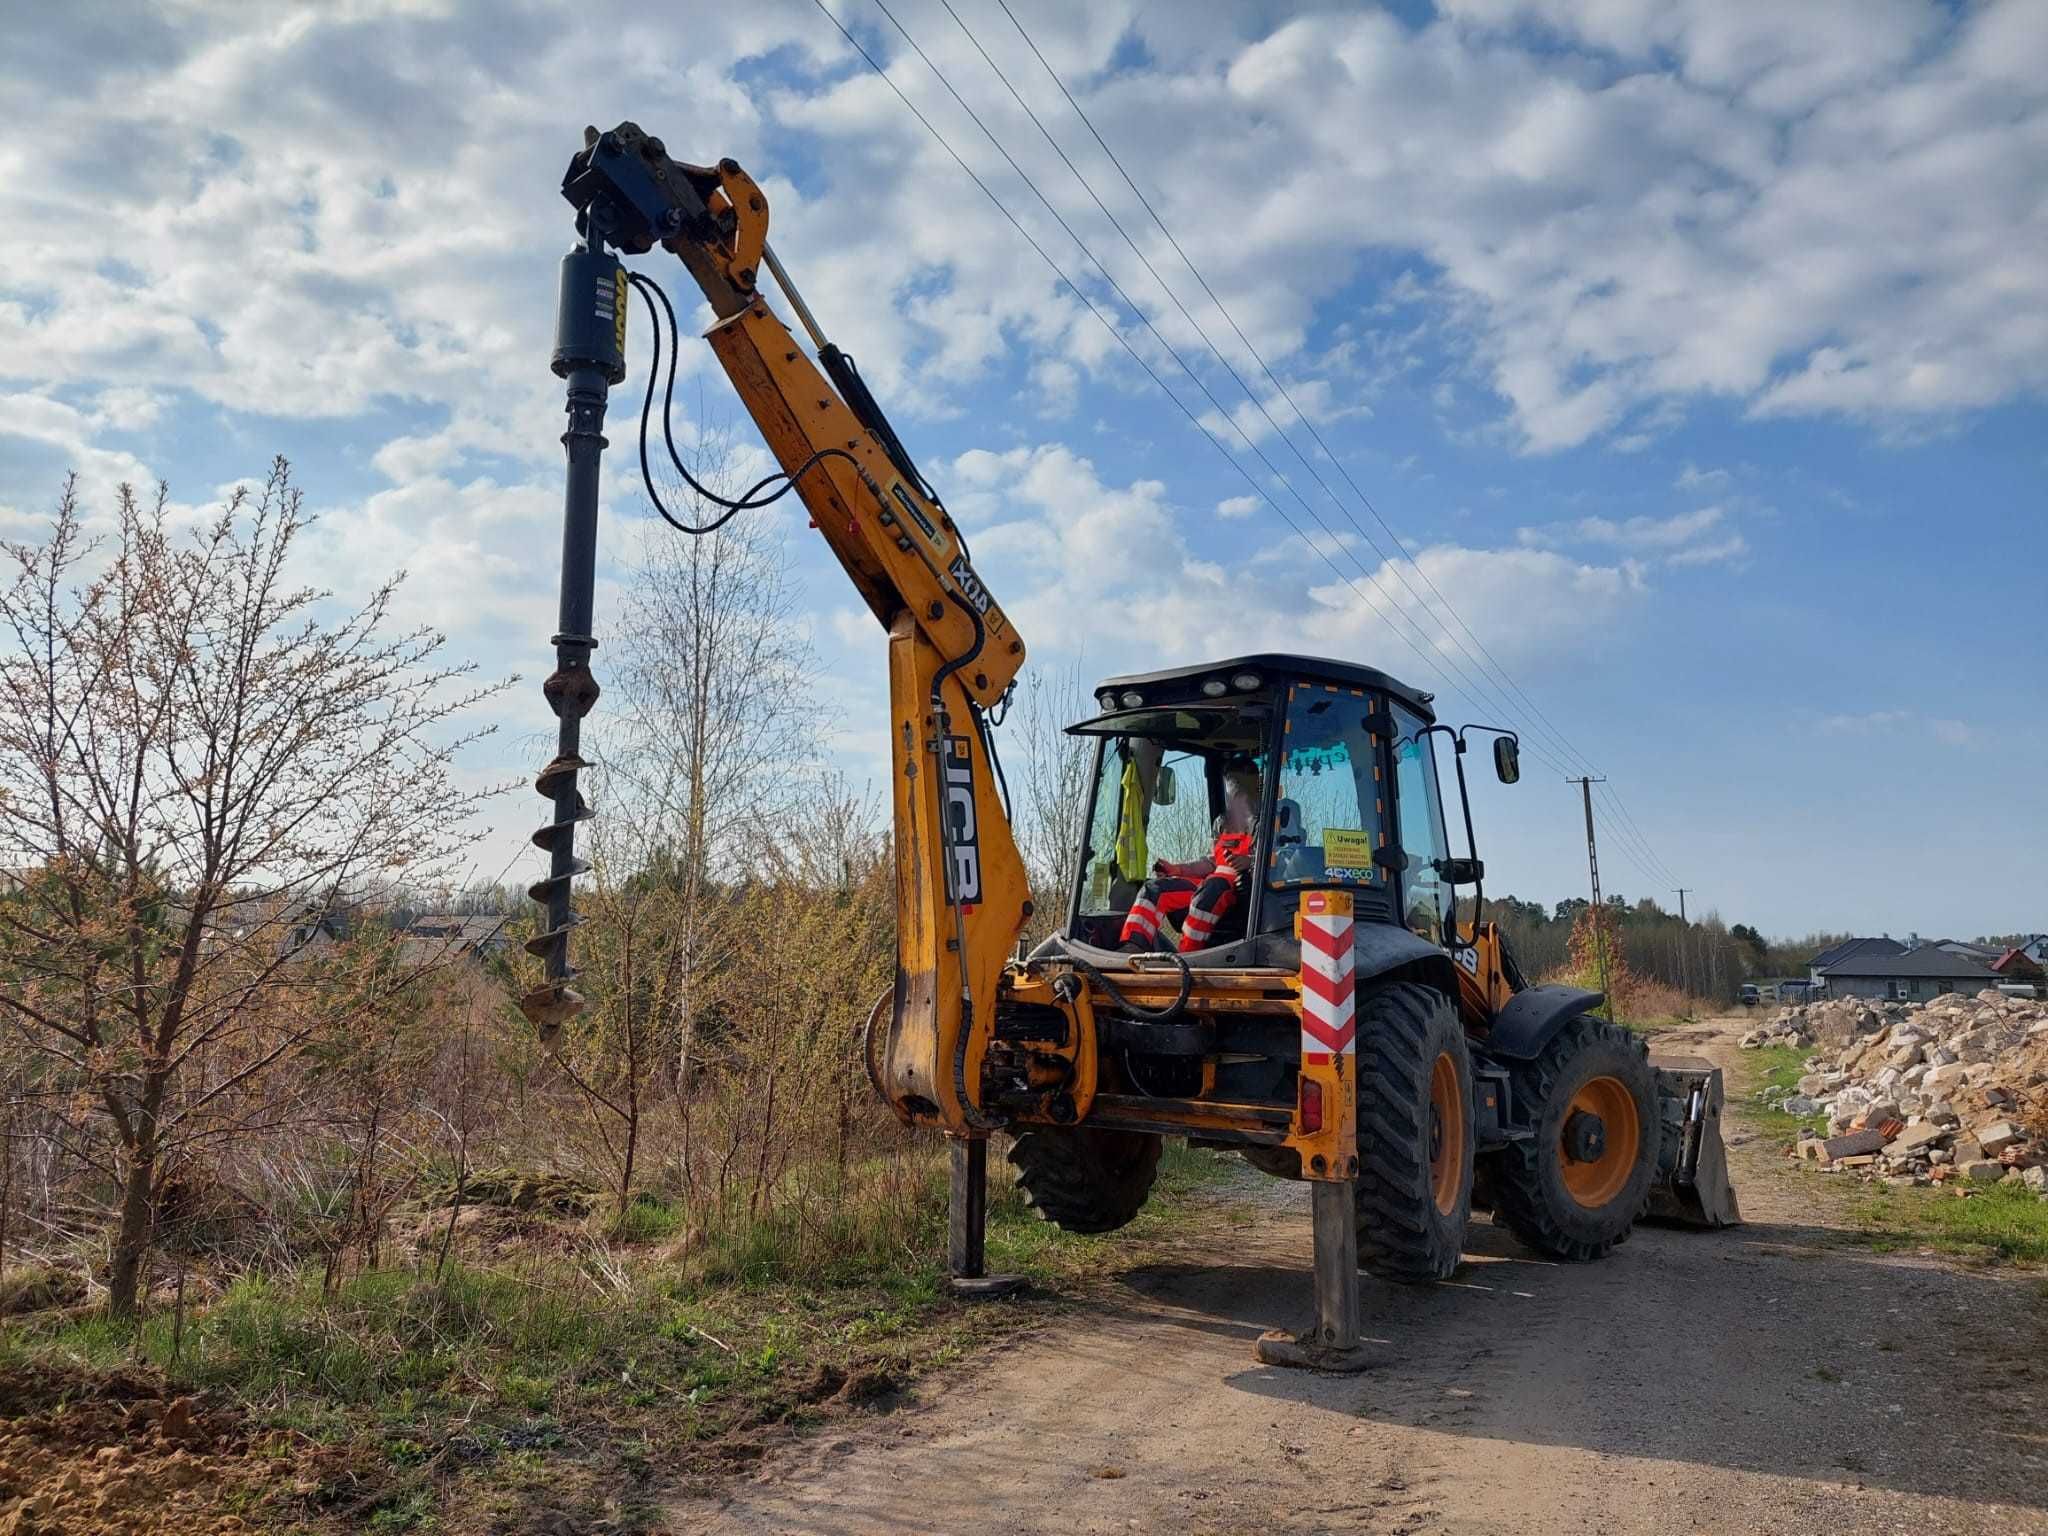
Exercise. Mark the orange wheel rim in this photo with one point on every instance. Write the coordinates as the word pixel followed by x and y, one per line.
pixel 1446 1133
pixel 1596 1179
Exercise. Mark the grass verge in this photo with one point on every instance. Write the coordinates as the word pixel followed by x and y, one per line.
pixel 1771 1075
pixel 568 1380
pixel 1997 1224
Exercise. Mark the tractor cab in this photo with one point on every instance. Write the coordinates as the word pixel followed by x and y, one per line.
pixel 1344 760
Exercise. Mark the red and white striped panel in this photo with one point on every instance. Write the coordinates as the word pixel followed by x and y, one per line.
pixel 1329 1021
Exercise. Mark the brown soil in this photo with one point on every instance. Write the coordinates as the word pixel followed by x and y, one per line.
pixel 116 1455
pixel 1771 1378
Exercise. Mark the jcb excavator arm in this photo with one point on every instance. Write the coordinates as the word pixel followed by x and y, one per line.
pixel 961 893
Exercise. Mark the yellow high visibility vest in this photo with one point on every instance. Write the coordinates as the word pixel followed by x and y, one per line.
pixel 1131 860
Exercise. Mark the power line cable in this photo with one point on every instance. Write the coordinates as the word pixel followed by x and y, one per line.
pixel 1629 844
pixel 1490 695
pixel 1534 709
pixel 1437 661
pixel 1110 326
pixel 1611 831
pixel 1627 835
pixel 1640 837
pixel 1483 692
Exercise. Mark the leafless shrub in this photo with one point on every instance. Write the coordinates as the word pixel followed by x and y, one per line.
pixel 198 762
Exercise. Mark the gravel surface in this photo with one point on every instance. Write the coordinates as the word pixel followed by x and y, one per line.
pixel 1771 1378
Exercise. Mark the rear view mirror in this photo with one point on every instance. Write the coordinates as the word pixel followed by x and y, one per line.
pixel 1164 789
pixel 1507 759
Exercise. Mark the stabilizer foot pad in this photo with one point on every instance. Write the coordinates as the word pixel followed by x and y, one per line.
pixel 1304 1352
pixel 984 1287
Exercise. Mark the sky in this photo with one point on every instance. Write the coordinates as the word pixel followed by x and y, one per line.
pixel 1664 378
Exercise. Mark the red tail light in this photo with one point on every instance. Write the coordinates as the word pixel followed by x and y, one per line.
pixel 1311 1106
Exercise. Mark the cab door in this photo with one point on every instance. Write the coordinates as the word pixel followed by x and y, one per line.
pixel 1426 901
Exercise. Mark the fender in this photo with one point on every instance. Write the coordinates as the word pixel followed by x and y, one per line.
pixel 1379 948
pixel 1533 1017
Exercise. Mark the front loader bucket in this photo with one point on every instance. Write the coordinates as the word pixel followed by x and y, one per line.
pixel 1692 1188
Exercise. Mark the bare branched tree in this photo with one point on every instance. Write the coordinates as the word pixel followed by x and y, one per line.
pixel 199 760
pixel 714 746
pixel 1053 799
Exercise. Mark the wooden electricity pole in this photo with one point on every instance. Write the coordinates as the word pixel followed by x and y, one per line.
pixel 1684 949
pixel 1593 869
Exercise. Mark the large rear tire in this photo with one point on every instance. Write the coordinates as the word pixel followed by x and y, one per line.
pixel 1574 1189
pixel 1415 1137
pixel 1085 1180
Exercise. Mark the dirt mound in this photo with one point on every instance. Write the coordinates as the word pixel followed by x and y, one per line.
pixel 121 1454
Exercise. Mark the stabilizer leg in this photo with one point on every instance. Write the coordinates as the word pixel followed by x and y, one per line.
pixel 967 1223
pixel 1333 1344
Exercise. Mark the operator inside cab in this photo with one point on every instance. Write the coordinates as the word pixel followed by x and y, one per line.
pixel 1200 893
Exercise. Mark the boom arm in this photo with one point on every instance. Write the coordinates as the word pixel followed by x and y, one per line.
pixel 961 893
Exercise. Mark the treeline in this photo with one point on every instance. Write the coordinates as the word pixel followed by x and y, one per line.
pixel 1704 958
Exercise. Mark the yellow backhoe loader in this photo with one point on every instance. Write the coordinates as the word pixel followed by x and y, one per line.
pixel 1315 1004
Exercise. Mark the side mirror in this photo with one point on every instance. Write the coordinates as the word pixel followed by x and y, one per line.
pixel 1165 790
pixel 1507 759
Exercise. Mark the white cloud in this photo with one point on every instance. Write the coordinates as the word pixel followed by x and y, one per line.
pixel 1096 568
pixel 1722 551
pixel 1682 539
pixel 1693 478
pixel 1819 208
pixel 1896 722
pixel 1237 507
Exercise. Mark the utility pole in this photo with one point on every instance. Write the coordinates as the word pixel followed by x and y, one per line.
pixel 1593 869
pixel 1684 948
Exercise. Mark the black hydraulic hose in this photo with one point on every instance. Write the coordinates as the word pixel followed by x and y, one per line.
pixel 1164 1015
pixel 986 725
pixel 750 498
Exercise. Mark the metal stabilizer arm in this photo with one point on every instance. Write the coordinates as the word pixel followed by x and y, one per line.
pixel 590 353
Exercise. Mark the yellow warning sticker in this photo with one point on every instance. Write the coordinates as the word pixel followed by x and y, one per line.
pixel 1347 848
pixel 619 310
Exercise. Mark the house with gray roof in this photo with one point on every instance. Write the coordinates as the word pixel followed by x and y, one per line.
pixel 1849 949
pixel 1908 975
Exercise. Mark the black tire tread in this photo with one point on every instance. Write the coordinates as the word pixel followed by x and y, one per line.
pixel 1082 1179
pixel 1401 1234
pixel 1524 1204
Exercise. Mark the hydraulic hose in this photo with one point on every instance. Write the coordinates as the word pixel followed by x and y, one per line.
pixel 1170 1012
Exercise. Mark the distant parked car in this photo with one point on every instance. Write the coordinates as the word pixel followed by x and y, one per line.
pixel 1751 997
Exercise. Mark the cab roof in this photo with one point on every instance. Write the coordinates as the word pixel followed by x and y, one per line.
pixel 1273 665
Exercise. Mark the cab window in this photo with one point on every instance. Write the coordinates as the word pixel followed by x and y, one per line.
pixel 1151 802
pixel 1425 895
pixel 1328 804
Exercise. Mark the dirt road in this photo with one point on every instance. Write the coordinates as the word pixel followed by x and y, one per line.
pixel 1765 1379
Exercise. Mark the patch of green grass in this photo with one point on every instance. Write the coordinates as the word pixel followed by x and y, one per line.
pixel 649 1219
pixel 413 1510
pixel 2001 1222
pixel 1771 1075
pixel 552 1379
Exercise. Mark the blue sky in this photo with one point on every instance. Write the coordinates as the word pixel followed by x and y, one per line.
pixel 1694 351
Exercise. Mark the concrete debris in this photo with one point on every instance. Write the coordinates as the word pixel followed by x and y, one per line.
pixel 1955 1089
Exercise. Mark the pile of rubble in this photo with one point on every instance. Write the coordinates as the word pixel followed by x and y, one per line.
pixel 1952 1090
